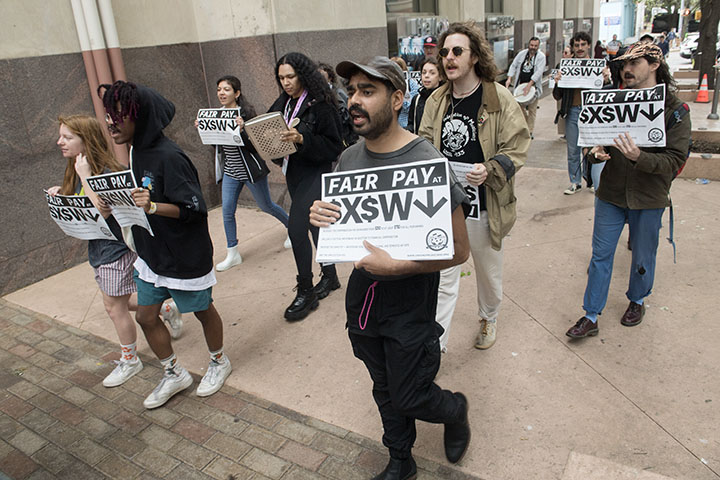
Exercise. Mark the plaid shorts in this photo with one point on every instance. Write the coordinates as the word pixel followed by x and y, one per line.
pixel 115 279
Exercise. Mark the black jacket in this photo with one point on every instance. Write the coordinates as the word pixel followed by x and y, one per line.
pixel 180 248
pixel 320 127
pixel 417 107
pixel 565 95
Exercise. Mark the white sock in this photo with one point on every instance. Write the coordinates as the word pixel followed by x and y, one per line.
pixel 169 363
pixel 218 356
pixel 128 353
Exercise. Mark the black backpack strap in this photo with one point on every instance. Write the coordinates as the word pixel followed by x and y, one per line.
pixel 675 118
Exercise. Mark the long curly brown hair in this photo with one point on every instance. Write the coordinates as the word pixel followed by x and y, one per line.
pixel 97 151
pixel 485 67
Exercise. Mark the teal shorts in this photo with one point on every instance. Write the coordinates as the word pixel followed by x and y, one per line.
pixel 187 301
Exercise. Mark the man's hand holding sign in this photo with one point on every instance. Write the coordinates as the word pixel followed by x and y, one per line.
pixel 638 113
pixel 397 213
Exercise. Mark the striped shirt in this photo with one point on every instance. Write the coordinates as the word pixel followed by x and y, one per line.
pixel 235 163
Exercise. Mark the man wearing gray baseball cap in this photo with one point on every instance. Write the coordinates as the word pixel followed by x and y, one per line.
pixel 391 303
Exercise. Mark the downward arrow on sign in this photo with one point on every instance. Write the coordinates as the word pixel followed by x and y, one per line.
pixel 652 114
pixel 430 208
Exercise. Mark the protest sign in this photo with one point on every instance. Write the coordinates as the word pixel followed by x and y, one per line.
pixel 581 73
pixel 217 126
pixel 403 209
pixel 116 190
pixel 415 75
pixel 77 217
pixel 551 78
pixel 606 114
pixel 461 170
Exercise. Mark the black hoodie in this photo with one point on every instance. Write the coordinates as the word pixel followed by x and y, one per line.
pixel 181 248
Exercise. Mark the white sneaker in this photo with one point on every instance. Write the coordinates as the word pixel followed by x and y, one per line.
pixel 288 243
pixel 122 372
pixel 173 381
pixel 233 258
pixel 486 337
pixel 214 378
pixel 572 189
pixel 172 316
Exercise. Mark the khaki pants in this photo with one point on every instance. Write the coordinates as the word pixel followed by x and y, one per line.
pixel 488 278
pixel 530 112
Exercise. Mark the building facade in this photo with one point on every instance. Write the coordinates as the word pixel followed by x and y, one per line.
pixel 53 53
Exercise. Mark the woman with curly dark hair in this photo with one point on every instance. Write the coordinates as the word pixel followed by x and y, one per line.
pixel 307 98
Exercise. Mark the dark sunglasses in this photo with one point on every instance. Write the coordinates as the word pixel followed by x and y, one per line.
pixel 457 51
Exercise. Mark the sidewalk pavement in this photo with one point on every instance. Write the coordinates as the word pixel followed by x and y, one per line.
pixel 636 403
pixel 58 421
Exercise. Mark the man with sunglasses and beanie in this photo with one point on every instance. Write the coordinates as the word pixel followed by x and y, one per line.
pixel 474 121
pixel 635 189
pixel 175 261
pixel 391 303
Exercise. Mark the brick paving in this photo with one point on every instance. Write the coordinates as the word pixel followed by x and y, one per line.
pixel 58 421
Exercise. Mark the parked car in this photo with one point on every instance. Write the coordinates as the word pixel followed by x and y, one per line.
pixel 689 45
pixel 692 48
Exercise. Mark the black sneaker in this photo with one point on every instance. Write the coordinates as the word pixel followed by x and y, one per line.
pixel 572 189
pixel 327 284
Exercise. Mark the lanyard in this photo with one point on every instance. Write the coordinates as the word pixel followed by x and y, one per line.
pixel 297 108
pixel 533 60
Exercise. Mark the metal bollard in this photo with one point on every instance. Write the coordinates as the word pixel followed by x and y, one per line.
pixel 713 113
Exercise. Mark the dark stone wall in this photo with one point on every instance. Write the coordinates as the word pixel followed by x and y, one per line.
pixel 34 91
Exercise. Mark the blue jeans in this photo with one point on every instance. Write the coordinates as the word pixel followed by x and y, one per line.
pixel 595 171
pixel 644 232
pixel 574 153
pixel 260 190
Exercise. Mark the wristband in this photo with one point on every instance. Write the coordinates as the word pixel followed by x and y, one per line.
pixel 153 208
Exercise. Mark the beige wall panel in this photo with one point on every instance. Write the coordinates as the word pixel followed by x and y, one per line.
pixel 166 22
pixel 521 9
pixel 143 23
pixel 557 8
pixel 224 19
pixel 551 9
pixel 572 9
pixel 33 29
pixel 592 9
pixel 313 15
pixel 462 10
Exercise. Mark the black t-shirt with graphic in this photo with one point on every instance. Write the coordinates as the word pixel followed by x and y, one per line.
pixel 460 141
pixel 527 69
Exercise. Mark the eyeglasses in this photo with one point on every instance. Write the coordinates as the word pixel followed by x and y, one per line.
pixel 112 127
pixel 457 51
